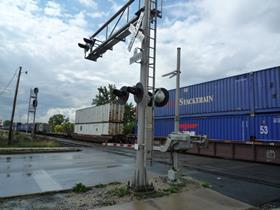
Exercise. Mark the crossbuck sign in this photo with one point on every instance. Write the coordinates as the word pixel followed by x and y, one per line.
pixel 134 30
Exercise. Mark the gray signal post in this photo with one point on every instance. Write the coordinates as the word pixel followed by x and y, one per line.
pixel 177 108
pixel 140 179
pixel 176 73
pixel 32 107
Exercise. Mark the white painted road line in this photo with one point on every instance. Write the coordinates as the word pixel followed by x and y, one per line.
pixel 45 181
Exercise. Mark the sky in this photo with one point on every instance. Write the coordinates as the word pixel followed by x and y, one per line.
pixel 217 38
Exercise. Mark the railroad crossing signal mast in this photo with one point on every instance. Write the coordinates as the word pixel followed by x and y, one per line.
pixel 142 26
pixel 32 107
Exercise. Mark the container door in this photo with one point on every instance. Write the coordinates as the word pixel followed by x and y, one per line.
pixel 245 129
pixel 267 127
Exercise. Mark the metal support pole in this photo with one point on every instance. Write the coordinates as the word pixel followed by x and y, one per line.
pixel 14 108
pixel 140 179
pixel 28 111
pixel 177 108
pixel 33 128
pixel 176 127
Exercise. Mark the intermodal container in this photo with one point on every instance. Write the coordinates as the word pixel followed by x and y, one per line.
pixel 260 127
pixel 254 92
pixel 216 128
pixel 266 127
pixel 99 129
pixel 100 114
pixel 267 90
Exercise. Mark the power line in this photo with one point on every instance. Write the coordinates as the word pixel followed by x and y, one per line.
pixel 9 83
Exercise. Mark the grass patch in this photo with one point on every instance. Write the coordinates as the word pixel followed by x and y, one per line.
pixel 114 183
pixel 30 143
pixel 80 188
pixel 100 186
pixel 205 184
pixel 119 191
pixel 172 189
pixel 23 140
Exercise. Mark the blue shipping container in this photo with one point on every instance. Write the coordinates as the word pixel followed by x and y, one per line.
pixel 267 90
pixel 263 127
pixel 266 127
pixel 243 94
pixel 216 128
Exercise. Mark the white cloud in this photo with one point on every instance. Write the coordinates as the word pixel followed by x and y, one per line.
pixel 218 38
pixel 67 112
pixel 89 3
pixel 223 38
pixel 53 9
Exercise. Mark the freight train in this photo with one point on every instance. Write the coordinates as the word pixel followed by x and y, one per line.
pixel 24 127
pixel 233 112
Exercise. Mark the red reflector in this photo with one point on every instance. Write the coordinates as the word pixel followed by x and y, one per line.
pixel 188 126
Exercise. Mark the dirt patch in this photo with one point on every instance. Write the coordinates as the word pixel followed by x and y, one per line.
pixel 98 196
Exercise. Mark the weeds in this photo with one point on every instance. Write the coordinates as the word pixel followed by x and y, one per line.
pixel 119 191
pixel 205 184
pixel 30 143
pixel 100 186
pixel 114 183
pixel 80 188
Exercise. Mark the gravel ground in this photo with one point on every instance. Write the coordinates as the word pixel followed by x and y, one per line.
pixel 97 196
pixel 107 195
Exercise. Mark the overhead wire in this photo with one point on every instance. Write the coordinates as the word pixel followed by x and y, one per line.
pixel 9 83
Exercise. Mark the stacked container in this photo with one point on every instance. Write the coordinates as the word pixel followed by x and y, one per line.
pixel 239 108
pixel 100 120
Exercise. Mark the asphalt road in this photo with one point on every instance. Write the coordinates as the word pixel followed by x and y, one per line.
pixel 252 183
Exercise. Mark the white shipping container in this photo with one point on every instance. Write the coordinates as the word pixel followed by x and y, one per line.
pixel 100 114
pixel 99 128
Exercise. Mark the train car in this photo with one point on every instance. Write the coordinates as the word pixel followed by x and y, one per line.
pixel 242 109
pixel 43 128
pixel 100 120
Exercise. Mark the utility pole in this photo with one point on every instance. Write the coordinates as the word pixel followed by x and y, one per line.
pixel 14 107
pixel 140 179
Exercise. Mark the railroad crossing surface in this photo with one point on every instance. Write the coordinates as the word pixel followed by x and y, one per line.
pixel 251 183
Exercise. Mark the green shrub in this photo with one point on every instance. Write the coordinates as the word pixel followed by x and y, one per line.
pixel 205 184
pixel 80 188
pixel 100 185
pixel 120 191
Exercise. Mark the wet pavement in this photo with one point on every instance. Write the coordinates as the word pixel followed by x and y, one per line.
pixel 21 174
pixel 252 183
